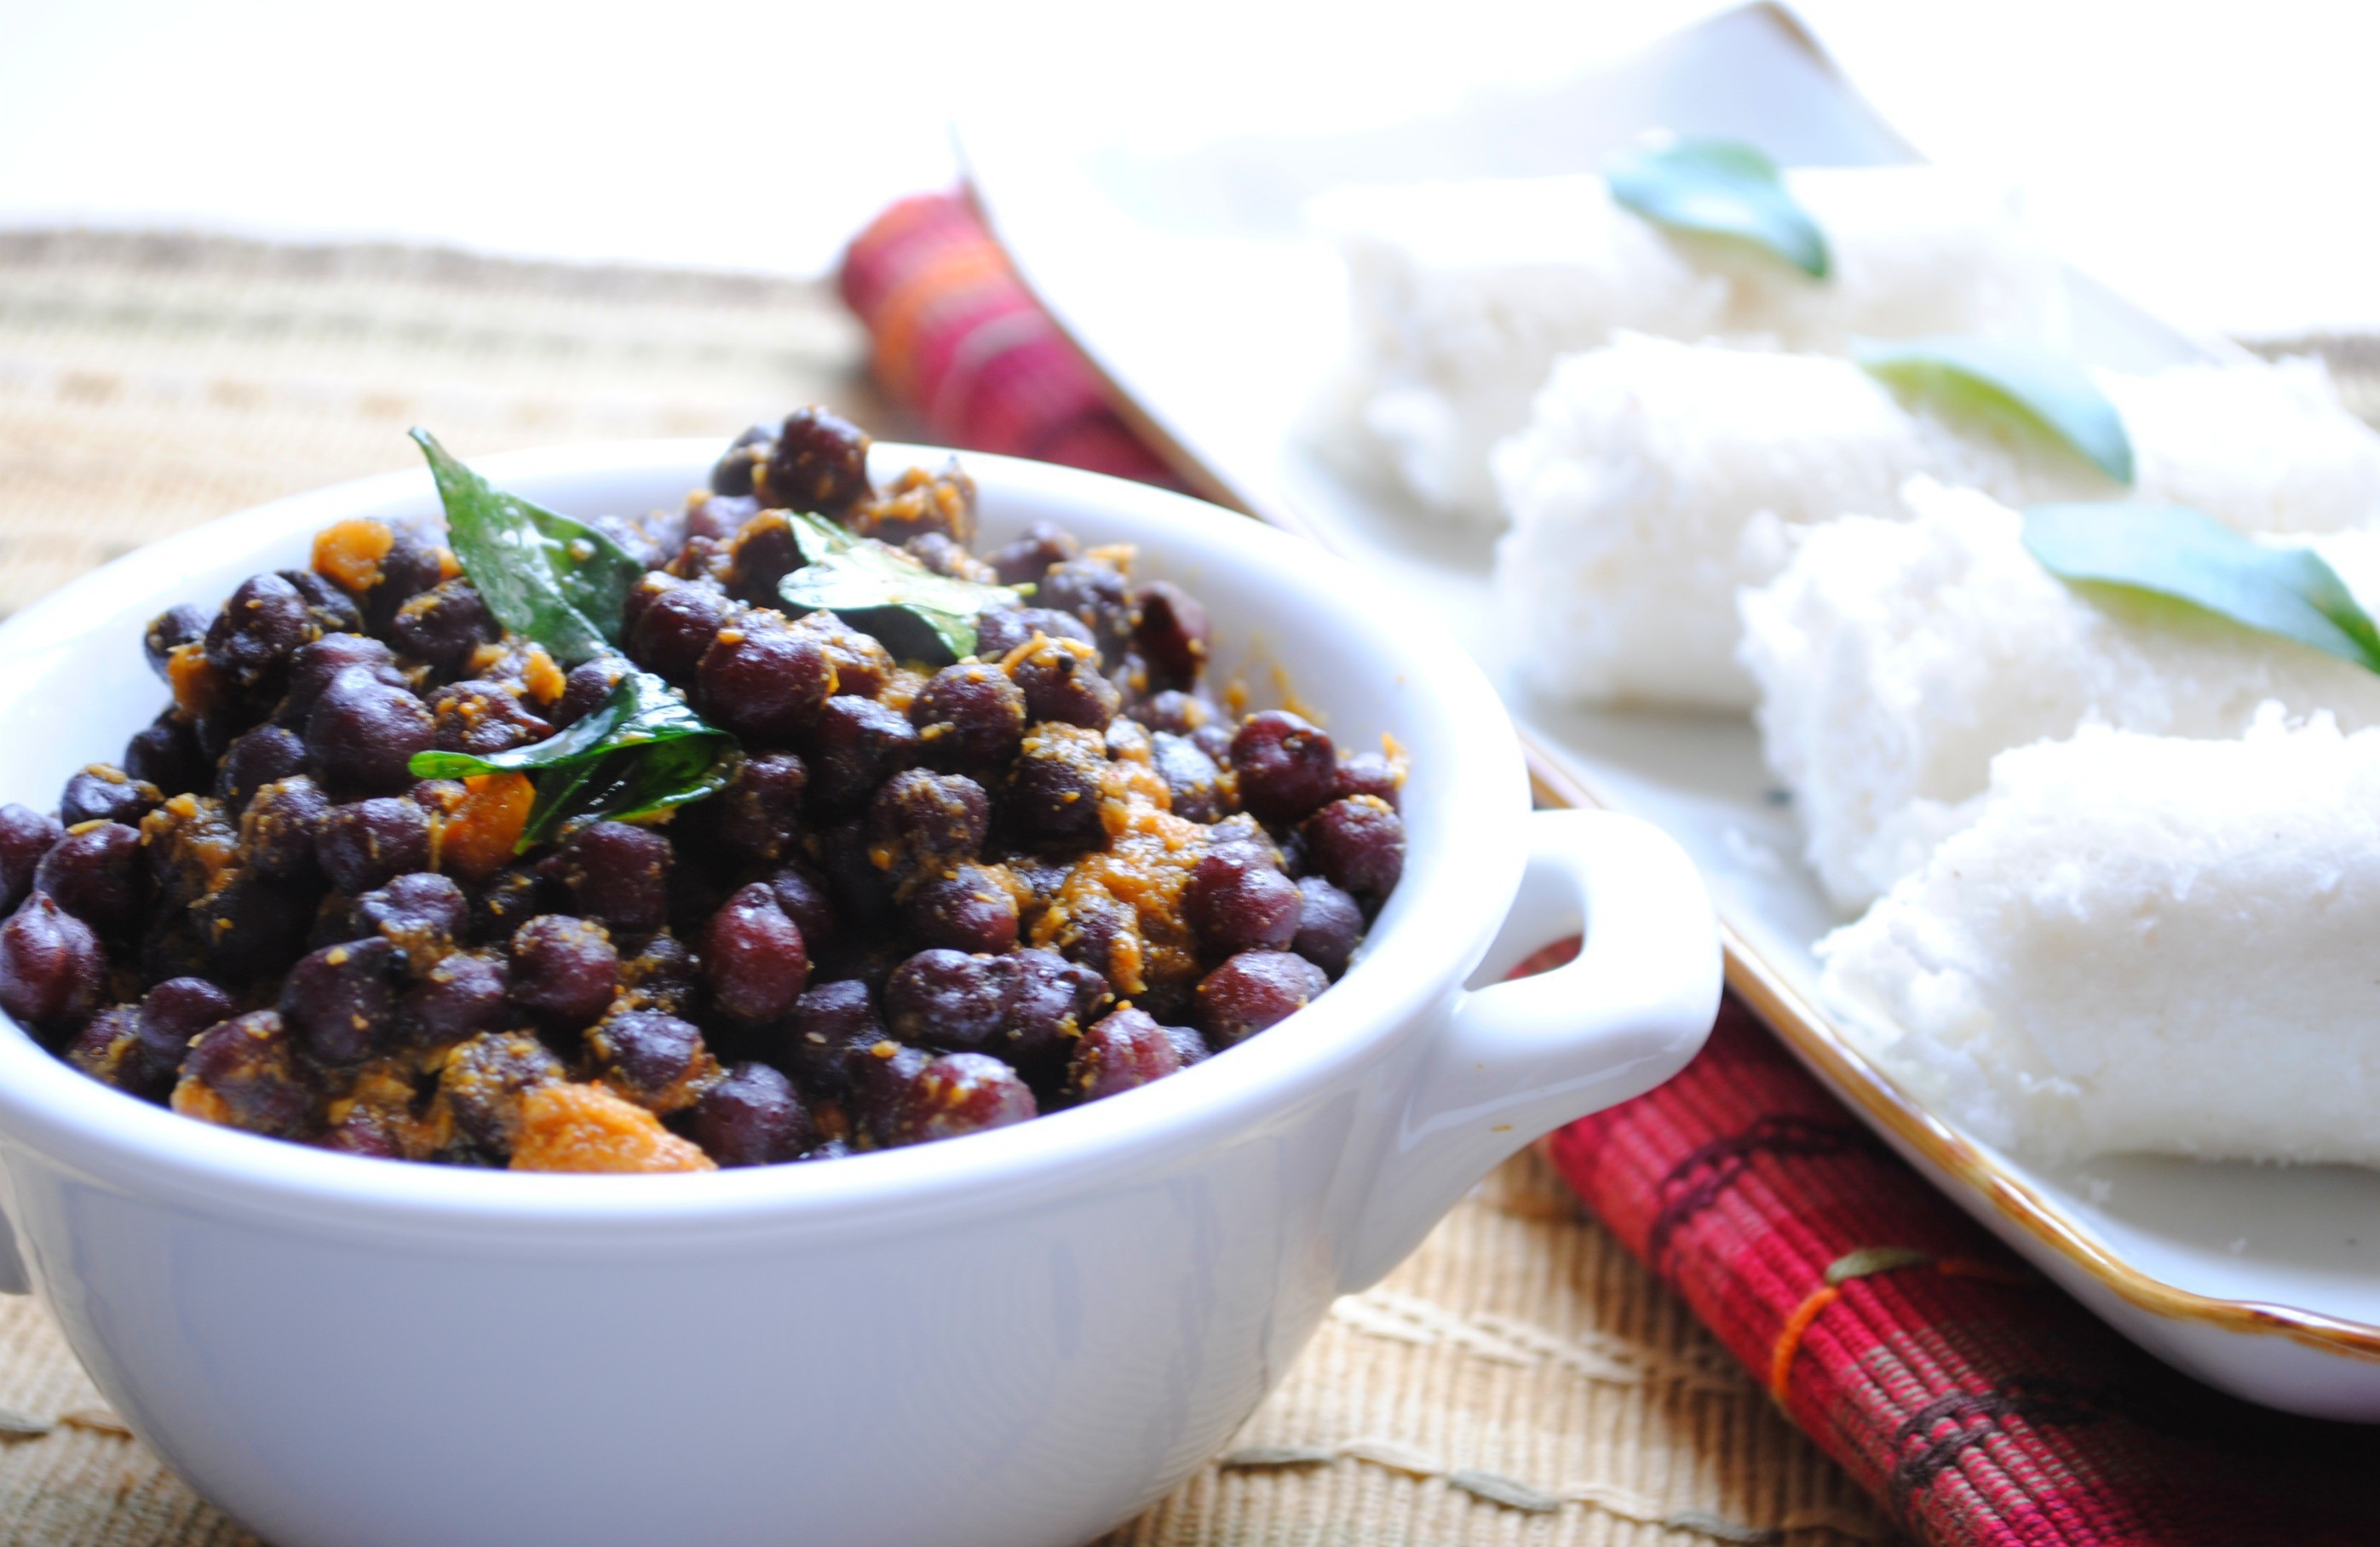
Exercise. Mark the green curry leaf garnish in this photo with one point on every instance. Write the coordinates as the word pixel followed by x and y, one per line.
pixel 917 614
pixel 638 753
pixel 2038 391
pixel 551 580
pixel 1719 188
pixel 562 584
pixel 2177 553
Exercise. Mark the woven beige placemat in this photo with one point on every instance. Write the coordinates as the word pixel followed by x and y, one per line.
pixel 1520 1380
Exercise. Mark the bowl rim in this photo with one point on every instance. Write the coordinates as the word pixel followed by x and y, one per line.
pixel 1441 924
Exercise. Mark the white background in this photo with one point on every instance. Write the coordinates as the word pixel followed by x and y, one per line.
pixel 2216 161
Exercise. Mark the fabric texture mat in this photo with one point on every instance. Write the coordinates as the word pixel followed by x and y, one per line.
pixel 1520 1381
pixel 1976 1403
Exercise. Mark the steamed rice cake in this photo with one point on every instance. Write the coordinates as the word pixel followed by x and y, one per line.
pixel 1657 479
pixel 2142 944
pixel 1896 658
pixel 1465 293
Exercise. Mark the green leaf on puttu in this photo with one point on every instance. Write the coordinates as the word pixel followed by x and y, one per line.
pixel 2038 391
pixel 2173 552
pixel 916 613
pixel 551 580
pixel 639 752
pixel 1719 188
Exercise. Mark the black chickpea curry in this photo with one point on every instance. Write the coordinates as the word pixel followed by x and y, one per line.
pixel 774 828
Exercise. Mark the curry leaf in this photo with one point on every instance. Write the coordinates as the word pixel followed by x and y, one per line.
pixel 549 580
pixel 2174 552
pixel 1719 188
pixel 2040 390
pixel 917 614
pixel 638 752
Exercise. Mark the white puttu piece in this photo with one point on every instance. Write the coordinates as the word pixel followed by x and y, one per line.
pixel 1897 658
pixel 1465 293
pixel 1656 478
pixel 2143 944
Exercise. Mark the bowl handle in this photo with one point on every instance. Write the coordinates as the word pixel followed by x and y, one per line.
pixel 1514 1060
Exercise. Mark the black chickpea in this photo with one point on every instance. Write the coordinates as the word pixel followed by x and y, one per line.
pixel 1123 1051
pixel 653 1058
pixel 253 638
pixel 1286 767
pixel 166 753
pixel 969 909
pixel 1329 925
pixel 969 716
pixel 169 630
pixel 442 626
pixel 105 793
pixel 753 1117
pixel 322 662
pixel 819 461
pixel 257 758
pixel 465 995
pixel 855 745
pixel 913 900
pixel 1062 681
pixel 339 1004
pixel 764 680
pixel 678 627
pixel 362 733
pixel 168 1018
pixel 759 816
pixel 753 957
pixel 25 835
pixel 617 874
pixel 999 630
pixel 564 970
pixel 370 843
pixel 95 872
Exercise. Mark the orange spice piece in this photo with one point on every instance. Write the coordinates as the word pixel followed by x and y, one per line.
pixel 586 1128
pixel 902 688
pixel 1119 555
pixel 476 839
pixel 349 551
pixel 1146 863
pixel 194 1099
pixel 541 676
pixel 198 687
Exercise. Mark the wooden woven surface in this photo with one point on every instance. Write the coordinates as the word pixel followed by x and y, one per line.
pixel 1518 1380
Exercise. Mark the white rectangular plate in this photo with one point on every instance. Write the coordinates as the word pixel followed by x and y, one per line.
pixel 1190 281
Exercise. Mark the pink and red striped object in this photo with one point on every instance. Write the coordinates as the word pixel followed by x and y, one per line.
pixel 959 339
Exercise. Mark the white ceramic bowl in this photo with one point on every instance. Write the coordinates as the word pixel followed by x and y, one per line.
pixel 1015 1339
